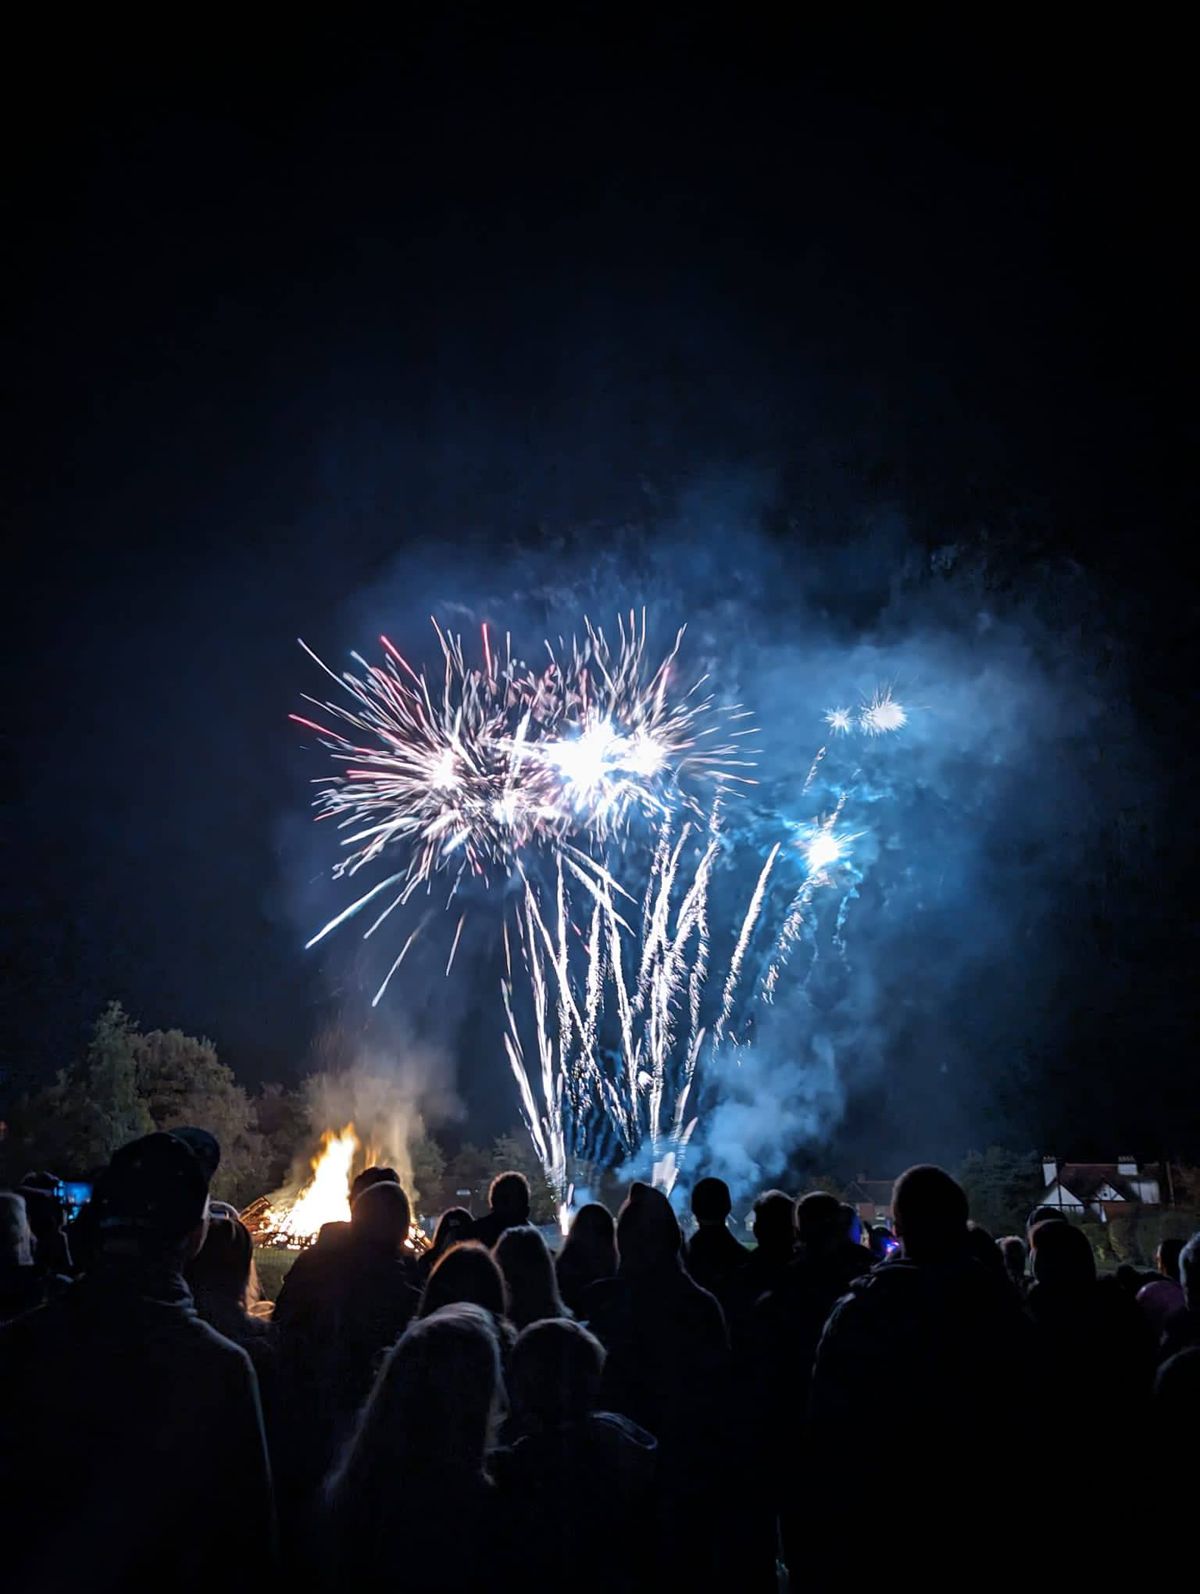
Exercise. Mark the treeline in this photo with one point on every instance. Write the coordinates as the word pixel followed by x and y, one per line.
pixel 131 1081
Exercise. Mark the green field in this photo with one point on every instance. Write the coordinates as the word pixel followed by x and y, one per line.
pixel 272 1264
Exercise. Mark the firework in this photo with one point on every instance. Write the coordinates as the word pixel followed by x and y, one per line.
pixel 882 714
pixel 596 783
pixel 465 775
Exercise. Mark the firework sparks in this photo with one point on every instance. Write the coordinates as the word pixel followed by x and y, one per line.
pixel 882 714
pixel 500 771
pixel 465 776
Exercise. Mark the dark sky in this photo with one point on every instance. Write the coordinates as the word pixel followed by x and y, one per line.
pixel 289 307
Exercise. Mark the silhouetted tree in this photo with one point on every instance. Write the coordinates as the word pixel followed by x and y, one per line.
pixel 1001 1187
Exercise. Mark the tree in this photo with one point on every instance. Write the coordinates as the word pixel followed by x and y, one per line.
pixel 469 1169
pixel 182 1082
pixel 281 1117
pixel 428 1172
pixel 1002 1186
pixel 94 1106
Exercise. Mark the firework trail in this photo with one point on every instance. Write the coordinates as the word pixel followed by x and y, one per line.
pixel 570 779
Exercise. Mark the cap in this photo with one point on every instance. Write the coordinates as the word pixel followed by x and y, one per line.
pixel 157 1185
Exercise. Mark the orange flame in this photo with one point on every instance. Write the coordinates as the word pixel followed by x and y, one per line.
pixel 326 1196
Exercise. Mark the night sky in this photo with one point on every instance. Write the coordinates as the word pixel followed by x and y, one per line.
pixel 295 313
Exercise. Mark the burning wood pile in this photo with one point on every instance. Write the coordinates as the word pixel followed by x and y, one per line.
pixel 294 1222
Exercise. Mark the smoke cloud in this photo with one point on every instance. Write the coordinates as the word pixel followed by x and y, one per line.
pixel 931 982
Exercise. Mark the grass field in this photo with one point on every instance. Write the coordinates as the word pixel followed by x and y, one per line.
pixel 272 1265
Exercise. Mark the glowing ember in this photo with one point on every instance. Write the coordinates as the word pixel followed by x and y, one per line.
pixel 326 1196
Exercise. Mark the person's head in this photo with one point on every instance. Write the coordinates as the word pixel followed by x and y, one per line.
pixel 648 1236
pixel 431 1411
pixel 508 1197
pixel 529 1273
pixel 152 1199
pixel 1189 1272
pixel 711 1202
pixel 774 1223
pixel 1166 1258
pixel 554 1374
pixel 929 1210
pixel 371 1176
pixel 1061 1257
pixel 592 1237
pixel 16 1237
pixel 819 1220
pixel 454 1224
pixel 381 1217
pixel 1012 1254
pixel 1043 1215
pixel 881 1242
pixel 468 1273
pixel 224 1265
pixel 982 1247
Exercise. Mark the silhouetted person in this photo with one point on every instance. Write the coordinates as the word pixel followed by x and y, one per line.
pixel 421 1444
pixel 508 1201
pixel 1183 1328
pixel 786 1327
pixel 668 1369
pixel 923 1360
pixel 307 1280
pixel 1013 1254
pixel 22 1286
pixel 881 1243
pixel 984 1248
pixel 529 1274
pixel 333 1334
pixel 712 1256
pixel 469 1274
pixel 588 1253
pixel 577 1482
pixel 48 1220
pixel 1090 1337
pixel 1043 1215
pixel 455 1224
pixel 149 1416
pixel 1094 1368
pixel 1161 1299
pixel 790 1319
pixel 1176 1411
pixel 774 1250
pixel 224 1287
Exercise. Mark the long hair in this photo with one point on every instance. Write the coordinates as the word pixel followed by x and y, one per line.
pixel 430 1415
pixel 529 1273
pixel 222 1273
pixel 589 1251
pixel 454 1225
pixel 467 1273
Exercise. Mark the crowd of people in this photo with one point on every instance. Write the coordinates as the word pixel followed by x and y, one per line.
pixel 821 1406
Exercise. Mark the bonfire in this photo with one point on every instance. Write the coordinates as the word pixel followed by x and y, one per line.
pixel 293 1222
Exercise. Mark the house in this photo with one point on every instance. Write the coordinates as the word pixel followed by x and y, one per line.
pixel 1103 1189
pixel 872 1199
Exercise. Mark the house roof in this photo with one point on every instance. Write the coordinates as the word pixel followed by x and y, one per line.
pixel 877 1191
pixel 1086 1179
